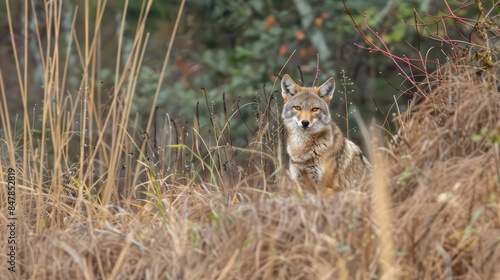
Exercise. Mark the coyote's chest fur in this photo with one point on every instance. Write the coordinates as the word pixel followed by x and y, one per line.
pixel 320 157
pixel 308 154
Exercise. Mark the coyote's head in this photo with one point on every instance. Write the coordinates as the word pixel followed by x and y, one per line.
pixel 306 108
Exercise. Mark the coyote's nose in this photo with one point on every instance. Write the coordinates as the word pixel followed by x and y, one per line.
pixel 305 123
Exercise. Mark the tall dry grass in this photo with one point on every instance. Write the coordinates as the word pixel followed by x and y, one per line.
pixel 96 200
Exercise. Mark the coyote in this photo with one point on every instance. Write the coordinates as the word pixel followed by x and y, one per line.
pixel 321 159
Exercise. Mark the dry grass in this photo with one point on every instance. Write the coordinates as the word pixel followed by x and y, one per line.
pixel 434 212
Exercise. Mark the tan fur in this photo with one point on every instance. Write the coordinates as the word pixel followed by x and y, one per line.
pixel 321 159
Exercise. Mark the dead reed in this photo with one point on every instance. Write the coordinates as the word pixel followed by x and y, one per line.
pixel 99 197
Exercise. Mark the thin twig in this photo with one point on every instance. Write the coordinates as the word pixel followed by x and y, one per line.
pixel 154 123
pixel 206 101
pixel 457 120
pixel 227 120
pixel 242 118
pixel 317 69
pixel 301 76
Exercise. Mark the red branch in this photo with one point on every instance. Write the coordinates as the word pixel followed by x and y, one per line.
pixel 386 52
pixel 412 62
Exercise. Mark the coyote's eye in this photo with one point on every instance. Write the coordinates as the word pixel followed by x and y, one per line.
pixel 296 108
pixel 315 109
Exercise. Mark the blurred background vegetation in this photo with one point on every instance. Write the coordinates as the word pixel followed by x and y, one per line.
pixel 237 47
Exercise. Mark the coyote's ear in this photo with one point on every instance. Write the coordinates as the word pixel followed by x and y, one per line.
pixel 288 88
pixel 325 91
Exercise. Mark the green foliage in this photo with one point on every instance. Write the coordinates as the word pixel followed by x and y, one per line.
pixel 247 242
pixel 215 217
pixel 408 172
pixel 345 248
pixel 491 138
pixel 405 175
pixel 476 216
pixel 236 47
